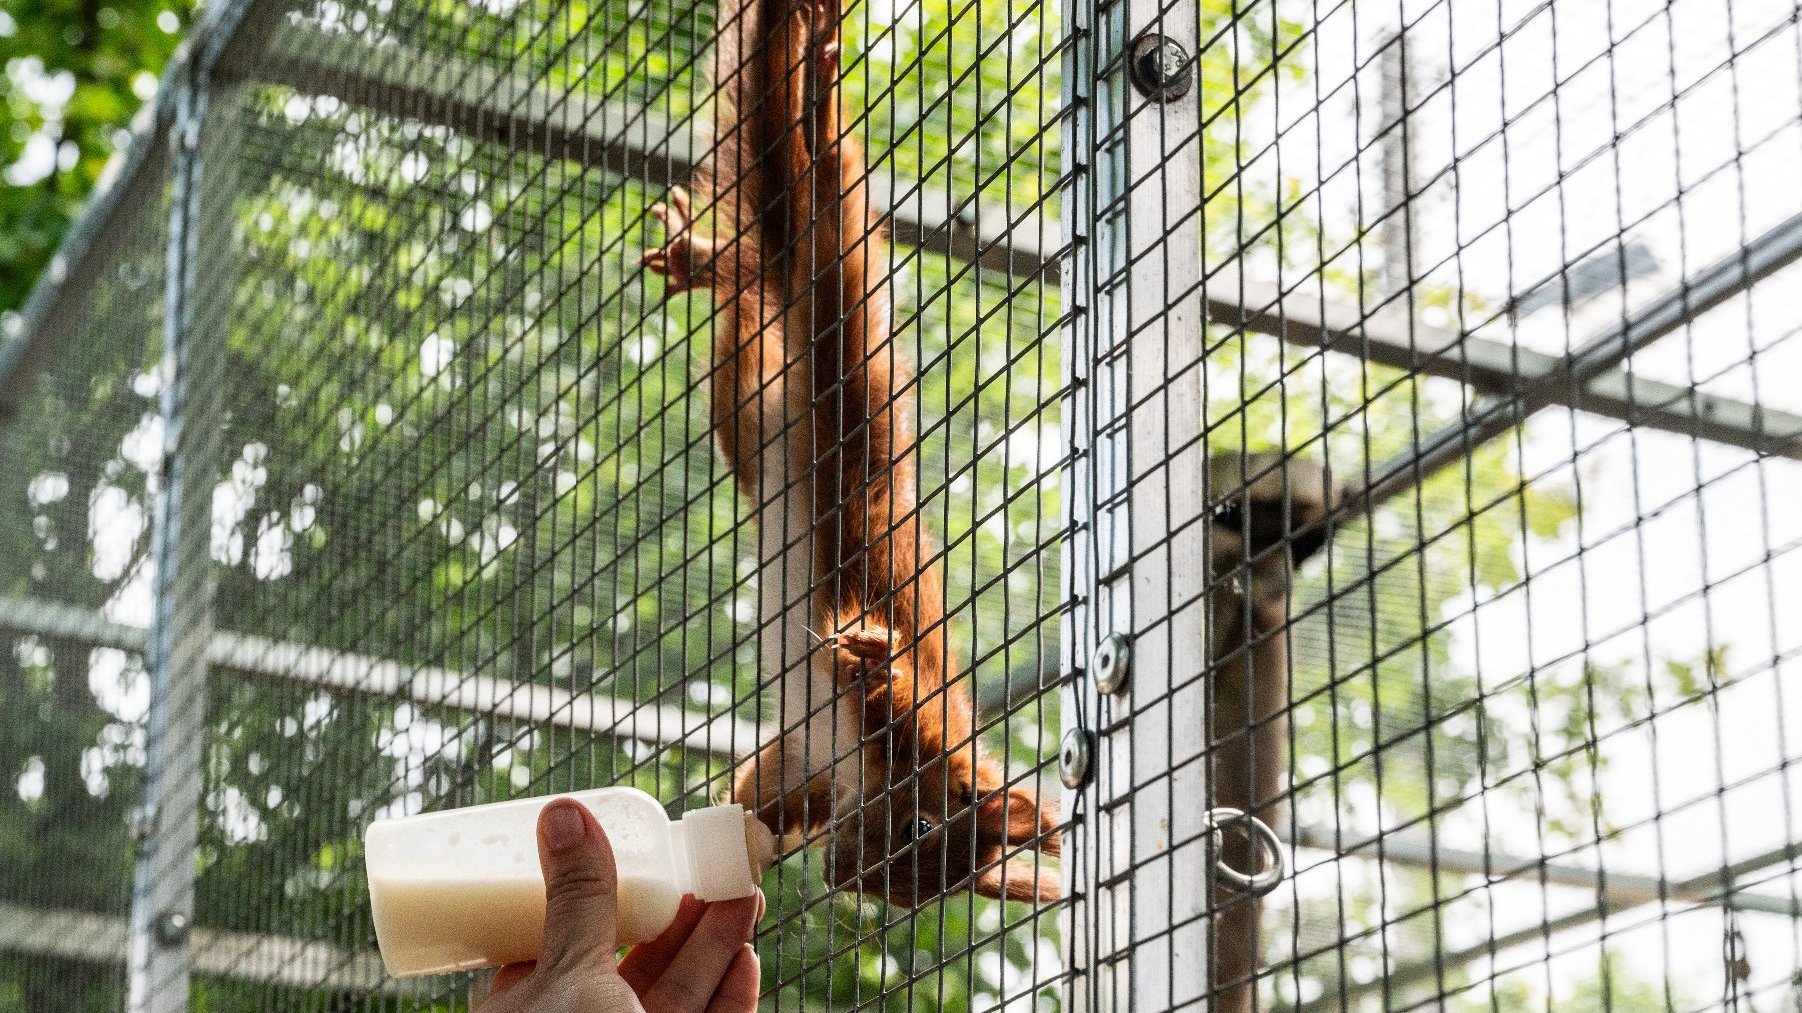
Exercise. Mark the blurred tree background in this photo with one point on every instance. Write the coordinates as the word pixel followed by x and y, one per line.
pixel 72 74
pixel 464 435
pixel 75 72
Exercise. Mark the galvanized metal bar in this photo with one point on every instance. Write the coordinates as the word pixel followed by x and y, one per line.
pixel 1400 231
pixel 1137 862
pixel 197 289
pixel 632 141
pixel 425 685
pixel 57 308
pixel 1497 867
pixel 285 961
pixel 1590 370
pixel 635 142
pixel 1083 922
pixel 1388 336
pixel 1721 281
pixel 1716 888
pixel 500 108
pixel 237 33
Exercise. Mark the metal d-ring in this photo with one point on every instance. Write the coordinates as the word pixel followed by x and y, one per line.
pixel 1271 871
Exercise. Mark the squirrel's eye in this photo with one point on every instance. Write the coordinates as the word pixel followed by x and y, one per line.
pixel 918 829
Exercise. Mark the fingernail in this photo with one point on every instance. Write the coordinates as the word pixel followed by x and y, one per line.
pixel 563 826
pixel 762 903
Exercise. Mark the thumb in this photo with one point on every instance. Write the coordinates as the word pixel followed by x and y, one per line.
pixel 580 892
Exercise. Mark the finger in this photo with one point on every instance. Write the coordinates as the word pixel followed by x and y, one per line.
pixel 679 197
pixel 509 976
pixel 697 970
pixel 580 892
pixel 647 961
pixel 738 990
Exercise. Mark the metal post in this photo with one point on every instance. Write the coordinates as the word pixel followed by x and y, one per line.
pixel 1400 231
pixel 1137 857
pixel 195 295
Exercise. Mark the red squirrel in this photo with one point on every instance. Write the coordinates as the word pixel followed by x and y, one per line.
pixel 810 405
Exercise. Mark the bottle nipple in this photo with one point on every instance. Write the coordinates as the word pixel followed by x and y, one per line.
pixel 728 852
pixel 760 845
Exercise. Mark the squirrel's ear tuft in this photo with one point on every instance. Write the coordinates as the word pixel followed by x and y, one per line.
pixel 1032 821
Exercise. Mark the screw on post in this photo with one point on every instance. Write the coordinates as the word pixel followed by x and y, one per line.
pixel 172 928
pixel 1073 759
pixel 1110 663
pixel 1160 67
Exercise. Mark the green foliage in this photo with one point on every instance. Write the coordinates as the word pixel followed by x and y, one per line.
pixel 69 764
pixel 74 72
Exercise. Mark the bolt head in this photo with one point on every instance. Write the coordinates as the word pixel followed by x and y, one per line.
pixel 1160 68
pixel 172 928
pixel 1166 61
pixel 1073 758
pixel 1109 663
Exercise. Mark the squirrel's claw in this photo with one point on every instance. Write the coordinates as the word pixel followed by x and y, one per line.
pixel 862 649
pixel 684 257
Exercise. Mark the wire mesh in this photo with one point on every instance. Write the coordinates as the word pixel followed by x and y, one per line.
pixel 472 537
pixel 81 457
pixel 1535 716
pixel 1410 395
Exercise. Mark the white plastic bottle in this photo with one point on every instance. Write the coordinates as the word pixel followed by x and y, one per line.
pixel 462 889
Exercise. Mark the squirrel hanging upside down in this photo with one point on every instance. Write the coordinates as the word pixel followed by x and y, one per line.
pixel 810 403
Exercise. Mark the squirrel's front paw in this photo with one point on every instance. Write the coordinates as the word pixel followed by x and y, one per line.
pixel 684 258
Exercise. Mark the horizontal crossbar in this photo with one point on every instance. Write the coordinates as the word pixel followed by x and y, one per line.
pixel 1390 337
pixel 1592 378
pixel 427 686
pixel 244 956
pixel 635 142
pixel 480 102
pixel 1615 892
pixel 1498 867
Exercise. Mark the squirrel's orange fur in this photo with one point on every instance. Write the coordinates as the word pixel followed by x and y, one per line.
pixel 808 404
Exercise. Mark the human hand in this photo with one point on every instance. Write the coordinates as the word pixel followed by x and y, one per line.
pixel 703 963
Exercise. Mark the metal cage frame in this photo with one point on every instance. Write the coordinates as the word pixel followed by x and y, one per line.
pixel 1139 899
